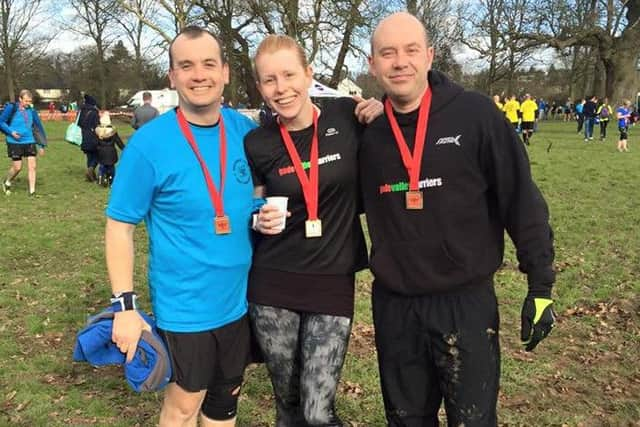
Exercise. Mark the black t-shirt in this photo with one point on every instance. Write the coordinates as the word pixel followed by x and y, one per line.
pixel 341 251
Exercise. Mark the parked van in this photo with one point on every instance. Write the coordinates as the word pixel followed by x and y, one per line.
pixel 163 100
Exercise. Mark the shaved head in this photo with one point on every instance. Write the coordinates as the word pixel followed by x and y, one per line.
pixel 398 20
pixel 401 59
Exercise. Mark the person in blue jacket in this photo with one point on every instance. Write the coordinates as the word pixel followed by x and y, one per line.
pixel 21 124
pixel 195 194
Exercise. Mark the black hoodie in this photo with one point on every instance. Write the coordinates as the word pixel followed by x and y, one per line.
pixel 476 182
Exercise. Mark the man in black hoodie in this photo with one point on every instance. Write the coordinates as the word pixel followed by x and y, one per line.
pixel 443 176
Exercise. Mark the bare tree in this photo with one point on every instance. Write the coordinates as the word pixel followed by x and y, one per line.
pixel 169 18
pixel 135 29
pixel 483 33
pixel 20 45
pixel 234 22
pixel 94 19
pixel 440 18
pixel 610 28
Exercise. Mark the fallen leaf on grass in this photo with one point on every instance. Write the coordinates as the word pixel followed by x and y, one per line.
pixel 352 390
pixel 23 405
pixel 523 356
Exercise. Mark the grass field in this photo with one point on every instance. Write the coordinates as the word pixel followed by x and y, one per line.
pixel 52 275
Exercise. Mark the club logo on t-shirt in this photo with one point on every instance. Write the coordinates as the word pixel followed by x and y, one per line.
pixel 241 171
pixel 404 186
pixel 306 165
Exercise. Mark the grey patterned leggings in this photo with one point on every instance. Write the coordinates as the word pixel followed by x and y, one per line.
pixel 304 353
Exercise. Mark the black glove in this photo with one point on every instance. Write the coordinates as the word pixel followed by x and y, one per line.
pixel 537 321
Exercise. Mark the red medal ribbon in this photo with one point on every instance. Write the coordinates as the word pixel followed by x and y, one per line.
pixel 25 116
pixel 309 184
pixel 216 197
pixel 412 162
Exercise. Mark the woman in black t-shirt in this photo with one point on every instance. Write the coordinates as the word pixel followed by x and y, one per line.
pixel 301 285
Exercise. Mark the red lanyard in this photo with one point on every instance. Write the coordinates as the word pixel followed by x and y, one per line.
pixel 216 197
pixel 412 163
pixel 309 184
pixel 25 116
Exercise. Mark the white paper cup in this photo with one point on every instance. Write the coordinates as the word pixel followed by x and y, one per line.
pixel 281 203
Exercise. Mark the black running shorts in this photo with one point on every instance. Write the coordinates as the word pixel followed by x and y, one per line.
pixel 204 360
pixel 18 151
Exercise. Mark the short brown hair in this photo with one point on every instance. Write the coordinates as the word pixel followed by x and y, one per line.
pixel 193 32
pixel 275 42
pixel 25 92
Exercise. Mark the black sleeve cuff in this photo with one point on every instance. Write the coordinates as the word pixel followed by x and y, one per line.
pixel 541 282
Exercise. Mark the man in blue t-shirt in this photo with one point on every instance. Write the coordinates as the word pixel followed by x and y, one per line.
pixel 185 174
pixel 21 124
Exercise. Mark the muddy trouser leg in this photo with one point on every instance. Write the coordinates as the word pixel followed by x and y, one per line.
pixel 466 350
pixel 277 331
pixel 408 377
pixel 434 347
pixel 324 346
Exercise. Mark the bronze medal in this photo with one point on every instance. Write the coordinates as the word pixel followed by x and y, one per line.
pixel 413 200
pixel 222 225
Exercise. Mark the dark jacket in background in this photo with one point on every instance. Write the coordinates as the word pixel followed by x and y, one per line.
pixel 589 109
pixel 88 121
pixel 107 153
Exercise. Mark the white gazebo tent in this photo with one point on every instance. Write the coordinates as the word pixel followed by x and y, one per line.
pixel 348 86
pixel 318 90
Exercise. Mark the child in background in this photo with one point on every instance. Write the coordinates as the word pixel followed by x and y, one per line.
pixel 107 154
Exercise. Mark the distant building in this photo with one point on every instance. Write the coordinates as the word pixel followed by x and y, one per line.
pixel 55 95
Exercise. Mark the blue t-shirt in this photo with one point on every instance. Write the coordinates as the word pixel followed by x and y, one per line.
pixel 21 121
pixel 624 121
pixel 197 279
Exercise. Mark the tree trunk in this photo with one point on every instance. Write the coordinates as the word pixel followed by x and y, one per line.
pixel 573 92
pixel 246 71
pixel 346 43
pixel 11 90
pixel 621 64
pixel 622 82
pixel 102 76
pixel 139 60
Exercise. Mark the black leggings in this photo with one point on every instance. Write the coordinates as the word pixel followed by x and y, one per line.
pixel 603 128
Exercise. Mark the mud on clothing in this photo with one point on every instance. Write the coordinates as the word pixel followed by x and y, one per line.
pixel 290 270
pixel 434 267
pixel 435 347
pixel 197 279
